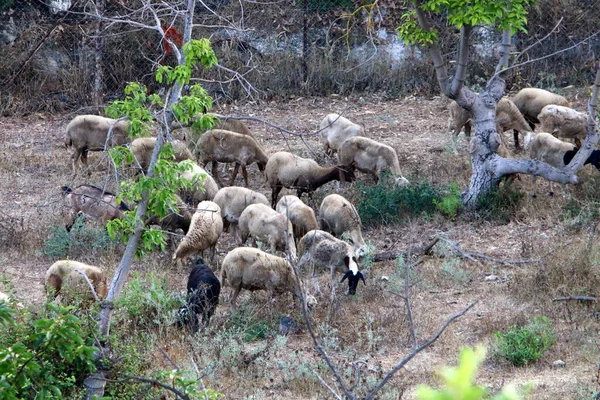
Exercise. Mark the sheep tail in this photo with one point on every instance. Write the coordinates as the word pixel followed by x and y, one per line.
pixel 66 190
pixel 223 275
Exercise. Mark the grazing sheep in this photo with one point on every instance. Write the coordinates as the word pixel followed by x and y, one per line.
pixel 323 251
pixel 252 269
pixel 338 216
pixel 508 117
pixel 233 200
pixel 564 122
pixel 64 277
pixel 335 129
pixel 180 217
pixel 204 186
pixel 203 289
pixel 261 222
pixel 91 200
pixel 143 147
pixel 204 232
pixel 233 125
pixel 305 175
pixel 530 102
pixel 89 133
pixel 371 157
pixel 546 148
pixel 218 145
pixel 300 215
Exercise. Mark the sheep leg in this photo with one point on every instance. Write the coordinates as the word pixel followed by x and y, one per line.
pixel 234 175
pixel 516 138
pixel 234 295
pixel 215 172
pixel 245 173
pixel 74 157
pixel 468 129
pixel 274 194
pixel 533 183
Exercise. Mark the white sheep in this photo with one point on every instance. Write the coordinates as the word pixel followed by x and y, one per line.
pixel 564 122
pixel 64 278
pixel 303 174
pixel 143 147
pixel 300 215
pixel 204 186
pixel 252 269
pixel 322 251
pixel 218 145
pixel 338 216
pixel 546 148
pixel 261 222
pixel 204 232
pixel 233 200
pixel 89 133
pixel 335 129
pixel 371 157
pixel 530 102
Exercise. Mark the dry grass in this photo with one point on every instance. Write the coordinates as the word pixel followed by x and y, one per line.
pixel 372 326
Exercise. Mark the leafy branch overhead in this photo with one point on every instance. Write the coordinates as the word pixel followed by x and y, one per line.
pixel 165 181
pixel 504 15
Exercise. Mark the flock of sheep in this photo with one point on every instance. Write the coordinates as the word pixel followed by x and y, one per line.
pixel 289 229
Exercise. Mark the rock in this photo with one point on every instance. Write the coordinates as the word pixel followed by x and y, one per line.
pixel 288 326
pixel 559 363
pixel 491 278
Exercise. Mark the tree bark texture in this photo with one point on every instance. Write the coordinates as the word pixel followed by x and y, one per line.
pixel 98 56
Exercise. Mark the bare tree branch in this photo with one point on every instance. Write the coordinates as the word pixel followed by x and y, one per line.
pixel 539 41
pixel 578 298
pixel 409 357
pixel 392 255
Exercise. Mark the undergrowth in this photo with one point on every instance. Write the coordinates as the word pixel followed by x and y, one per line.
pixel 525 344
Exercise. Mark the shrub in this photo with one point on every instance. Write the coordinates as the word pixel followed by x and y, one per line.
pixel 249 325
pixel 522 345
pixel 81 241
pixel 500 204
pixel 385 202
pixel 451 202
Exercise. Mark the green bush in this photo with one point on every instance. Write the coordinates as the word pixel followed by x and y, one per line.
pixel 385 202
pixel 522 345
pixel 79 242
pixel 249 325
pixel 44 358
pixel 451 202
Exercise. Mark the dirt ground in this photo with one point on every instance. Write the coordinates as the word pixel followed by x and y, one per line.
pixel 34 165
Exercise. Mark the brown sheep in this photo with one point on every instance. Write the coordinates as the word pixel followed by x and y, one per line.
pixel 530 102
pixel 300 215
pixel 143 147
pixel 91 200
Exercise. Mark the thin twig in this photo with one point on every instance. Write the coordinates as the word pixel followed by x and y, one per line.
pixel 153 382
pixel 539 41
pixel 89 284
pixel 406 359
pixel 578 298
pixel 333 392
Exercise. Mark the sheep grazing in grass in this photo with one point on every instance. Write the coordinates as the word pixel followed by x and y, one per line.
pixel 90 132
pixel 322 251
pixel 305 175
pixel 204 232
pixel 546 148
pixel 64 277
pixel 335 129
pixel 233 200
pixel 338 216
pixel 98 203
pixel 179 217
pixel 261 222
pixel 564 122
pixel 143 147
pixel 300 215
pixel 225 146
pixel 203 289
pixel 203 188
pixel 508 117
pixel 371 157
pixel 252 269
pixel 531 101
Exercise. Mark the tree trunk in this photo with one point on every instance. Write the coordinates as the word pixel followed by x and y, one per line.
pixel 99 50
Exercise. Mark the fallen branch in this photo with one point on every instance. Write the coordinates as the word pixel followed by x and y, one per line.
pixel 474 256
pixel 392 255
pixel 578 298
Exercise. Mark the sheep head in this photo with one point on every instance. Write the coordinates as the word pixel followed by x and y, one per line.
pixel 353 279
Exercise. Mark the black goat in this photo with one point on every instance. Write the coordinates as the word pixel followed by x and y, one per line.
pixel 203 289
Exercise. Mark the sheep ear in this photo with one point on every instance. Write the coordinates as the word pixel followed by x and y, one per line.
pixel 346 275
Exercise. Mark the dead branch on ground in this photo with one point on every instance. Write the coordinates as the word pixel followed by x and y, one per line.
pixel 577 298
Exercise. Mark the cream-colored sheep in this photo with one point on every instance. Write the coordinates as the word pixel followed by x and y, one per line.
pixel 300 215
pixel 322 251
pixel 218 145
pixel 233 200
pixel 204 232
pixel 335 129
pixel 261 222
pixel 564 122
pixel 89 133
pixel 371 157
pixel 303 174
pixel 64 278
pixel 530 102
pixel 204 186
pixel 143 147
pixel 252 269
pixel 459 118
pixel 338 216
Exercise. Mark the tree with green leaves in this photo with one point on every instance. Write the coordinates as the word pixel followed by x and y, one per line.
pixel 510 17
